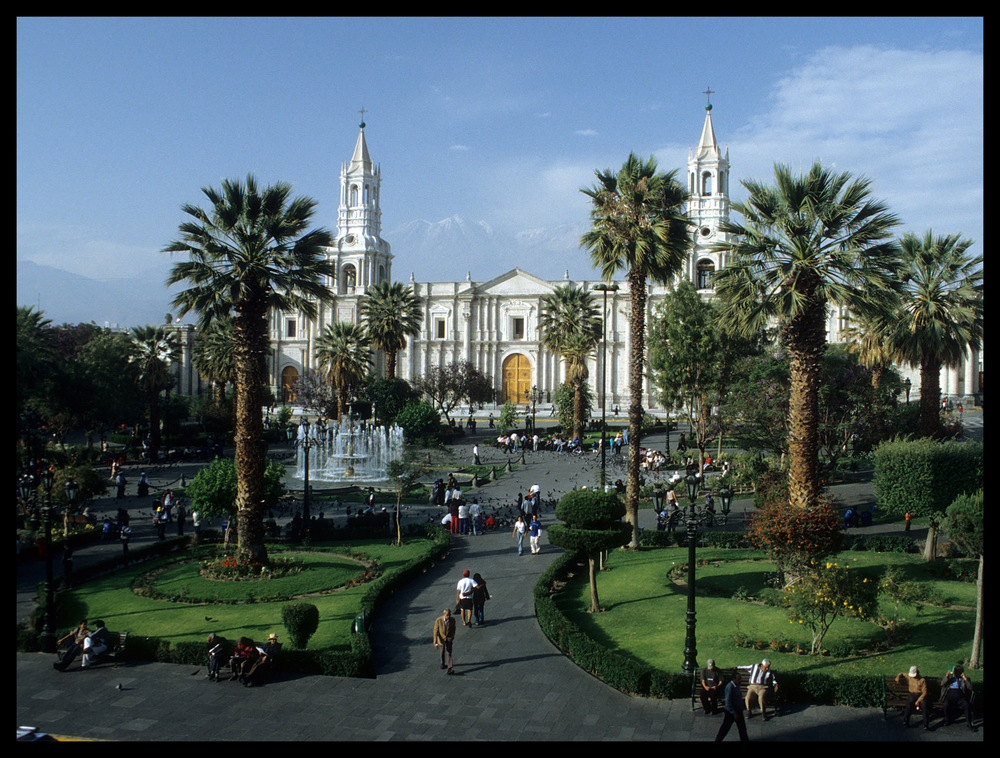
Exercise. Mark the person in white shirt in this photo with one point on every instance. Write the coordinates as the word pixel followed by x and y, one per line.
pixel 761 681
pixel 463 597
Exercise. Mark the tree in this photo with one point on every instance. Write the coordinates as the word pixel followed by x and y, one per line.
pixel 213 489
pixel 686 357
pixel 964 525
pixel 153 350
pixel 821 597
pixel 805 244
pixel 570 325
pixel 591 524
pixel 250 253
pixel 342 351
pixel 458 382
pixel 213 355
pixel 637 227
pixel 391 312
pixel 940 316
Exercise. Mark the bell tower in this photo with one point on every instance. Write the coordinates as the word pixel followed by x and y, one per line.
pixel 708 206
pixel 363 257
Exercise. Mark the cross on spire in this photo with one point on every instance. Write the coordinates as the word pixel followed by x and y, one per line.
pixel 708 96
pixel 362 112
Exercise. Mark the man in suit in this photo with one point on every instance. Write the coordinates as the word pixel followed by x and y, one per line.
pixel 444 635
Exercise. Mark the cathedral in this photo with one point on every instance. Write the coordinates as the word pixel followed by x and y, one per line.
pixel 494 324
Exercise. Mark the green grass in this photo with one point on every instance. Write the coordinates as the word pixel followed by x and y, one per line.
pixel 645 615
pixel 110 598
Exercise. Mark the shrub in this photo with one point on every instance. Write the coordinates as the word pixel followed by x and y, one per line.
pixel 923 476
pixel 301 620
pixel 796 538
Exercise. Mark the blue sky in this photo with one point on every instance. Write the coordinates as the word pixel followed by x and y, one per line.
pixel 121 121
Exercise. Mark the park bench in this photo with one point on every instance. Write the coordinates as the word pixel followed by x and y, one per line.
pixel 726 675
pixel 895 694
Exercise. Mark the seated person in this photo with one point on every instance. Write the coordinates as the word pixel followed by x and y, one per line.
pixel 95 643
pixel 75 638
pixel 266 665
pixel 710 683
pixel 245 654
pixel 217 653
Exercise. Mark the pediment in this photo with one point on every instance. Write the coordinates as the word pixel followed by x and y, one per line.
pixel 514 282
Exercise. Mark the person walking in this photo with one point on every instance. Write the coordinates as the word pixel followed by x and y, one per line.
pixel 463 597
pixel 534 532
pixel 733 710
pixel 444 637
pixel 519 529
pixel 479 597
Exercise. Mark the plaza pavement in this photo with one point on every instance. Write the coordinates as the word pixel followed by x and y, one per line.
pixel 510 682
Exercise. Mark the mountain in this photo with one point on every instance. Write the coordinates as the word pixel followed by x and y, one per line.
pixel 67 298
pixel 433 251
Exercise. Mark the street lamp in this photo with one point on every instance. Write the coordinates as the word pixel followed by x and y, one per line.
pixel 726 498
pixel 906 387
pixel 605 288
pixel 48 637
pixel 692 482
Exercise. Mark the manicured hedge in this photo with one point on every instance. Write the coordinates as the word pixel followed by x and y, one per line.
pixel 923 477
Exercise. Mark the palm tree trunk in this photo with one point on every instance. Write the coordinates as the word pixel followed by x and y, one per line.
pixel 637 329
pixel 250 337
pixel 930 398
pixel 977 638
pixel 805 339
pixel 390 364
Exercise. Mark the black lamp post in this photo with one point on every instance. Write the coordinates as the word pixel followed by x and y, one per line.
pixel 605 288
pixel 726 498
pixel 48 637
pixel 692 482
pixel 906 387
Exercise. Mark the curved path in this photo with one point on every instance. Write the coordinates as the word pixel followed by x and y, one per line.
pixel 510 683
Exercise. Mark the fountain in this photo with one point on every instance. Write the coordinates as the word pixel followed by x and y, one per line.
pixel 349 453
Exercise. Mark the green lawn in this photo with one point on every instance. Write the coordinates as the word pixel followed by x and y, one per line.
pixel 110 598
pixel 645 615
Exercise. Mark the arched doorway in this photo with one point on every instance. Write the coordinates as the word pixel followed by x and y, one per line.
pixel 289 377
pixel 517 379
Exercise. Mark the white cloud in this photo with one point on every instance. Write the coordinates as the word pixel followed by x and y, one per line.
pixel 586 132
pixel 911 121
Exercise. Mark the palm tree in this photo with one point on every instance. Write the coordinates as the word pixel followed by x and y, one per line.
pixel 251 252
pixel 153 350
pixel 940 315
pixel 804 244
pixel 391 312
pixel 637 227
pixel 214 356
pixel 570 325
pixel 342 350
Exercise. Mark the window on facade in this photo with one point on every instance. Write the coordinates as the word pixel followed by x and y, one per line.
pixel 439 326
pixel 354 195
pixel 290 328
pixel 704 274
pixel 706 183
pixel 517 328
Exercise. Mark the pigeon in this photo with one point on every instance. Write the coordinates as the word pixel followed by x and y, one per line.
pixel 207 618
pixel 118 686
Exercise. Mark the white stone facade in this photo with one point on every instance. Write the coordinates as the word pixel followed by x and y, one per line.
pixel 494 324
